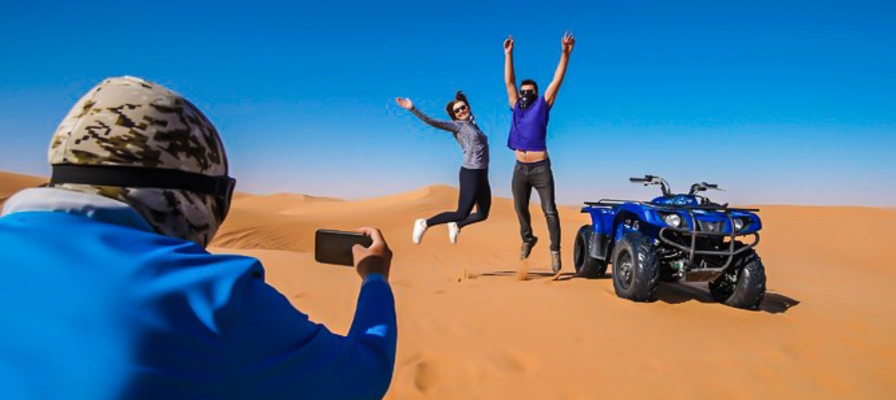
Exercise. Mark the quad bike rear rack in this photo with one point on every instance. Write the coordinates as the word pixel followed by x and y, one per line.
pixel 610 202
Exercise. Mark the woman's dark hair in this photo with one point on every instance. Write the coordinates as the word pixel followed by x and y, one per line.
pixel 459 96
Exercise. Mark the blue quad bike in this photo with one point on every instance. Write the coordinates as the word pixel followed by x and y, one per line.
pixel 674 238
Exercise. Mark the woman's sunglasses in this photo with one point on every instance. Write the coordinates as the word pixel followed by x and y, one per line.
pixel 461 108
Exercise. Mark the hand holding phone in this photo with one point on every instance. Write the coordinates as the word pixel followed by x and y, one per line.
pixel 366 249
pixel 335 247
pixel 375 259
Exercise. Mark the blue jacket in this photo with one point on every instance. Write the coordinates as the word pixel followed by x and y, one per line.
pixel 99 310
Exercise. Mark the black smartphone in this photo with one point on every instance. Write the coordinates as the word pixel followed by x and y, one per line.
pixel 335 247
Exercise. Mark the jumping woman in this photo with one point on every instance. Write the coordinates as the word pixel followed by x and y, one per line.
pixel 474 186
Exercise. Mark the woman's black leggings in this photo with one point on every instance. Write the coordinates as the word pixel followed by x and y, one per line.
pixel 474 189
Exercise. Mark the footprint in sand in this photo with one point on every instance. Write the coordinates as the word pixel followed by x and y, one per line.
pixel 420 371
pixel 424 376
pixel 402 283
pixel 513 362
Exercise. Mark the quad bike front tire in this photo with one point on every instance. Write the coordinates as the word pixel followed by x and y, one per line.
pixel 585 265
pixel 743 284
pixel 636 270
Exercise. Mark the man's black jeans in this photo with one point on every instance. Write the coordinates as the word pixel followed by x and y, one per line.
pixel 536 175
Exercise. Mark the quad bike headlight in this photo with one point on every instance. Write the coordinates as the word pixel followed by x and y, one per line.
pixel 672 220
pixel 738 224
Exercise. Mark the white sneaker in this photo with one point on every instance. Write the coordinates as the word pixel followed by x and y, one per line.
pixel 453 231
pixel 419 230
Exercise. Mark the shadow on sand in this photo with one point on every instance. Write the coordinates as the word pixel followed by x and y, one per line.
pixel 677 293
pixel 671 293
pixel 530 275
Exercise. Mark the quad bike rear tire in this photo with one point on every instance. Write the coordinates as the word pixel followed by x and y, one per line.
pixel 585 265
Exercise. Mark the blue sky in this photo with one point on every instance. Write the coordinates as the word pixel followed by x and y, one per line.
pixel 778 102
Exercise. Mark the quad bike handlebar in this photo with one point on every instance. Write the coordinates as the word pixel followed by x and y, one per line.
pixel 703 186
pixel 654 180
pixel 667 190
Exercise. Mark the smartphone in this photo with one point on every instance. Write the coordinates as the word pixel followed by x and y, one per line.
pixel 335 247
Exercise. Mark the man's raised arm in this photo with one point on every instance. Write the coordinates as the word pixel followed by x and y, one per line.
pixel 509 77
pixel 568 42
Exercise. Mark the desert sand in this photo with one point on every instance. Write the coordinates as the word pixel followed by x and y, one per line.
pixel 824 331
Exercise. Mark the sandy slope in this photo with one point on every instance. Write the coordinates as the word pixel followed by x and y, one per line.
pixel 824 331
pixel 11 183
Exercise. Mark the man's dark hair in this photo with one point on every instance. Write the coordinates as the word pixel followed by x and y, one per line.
pixel 529 82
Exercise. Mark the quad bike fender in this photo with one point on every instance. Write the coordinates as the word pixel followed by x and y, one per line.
pixel 624 222
pixel 597 240
pixel 597 245
pixel 644 220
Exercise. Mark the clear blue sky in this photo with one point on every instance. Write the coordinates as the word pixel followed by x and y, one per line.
pixel 779 102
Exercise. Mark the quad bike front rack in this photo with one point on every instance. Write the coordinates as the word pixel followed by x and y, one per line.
pixel 704 274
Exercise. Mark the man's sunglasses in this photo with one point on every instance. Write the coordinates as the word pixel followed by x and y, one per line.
pixel 527 92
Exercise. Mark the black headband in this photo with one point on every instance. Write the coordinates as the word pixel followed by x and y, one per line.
pixel 142 177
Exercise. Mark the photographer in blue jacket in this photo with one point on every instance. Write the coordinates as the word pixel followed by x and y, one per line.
pixel 108 291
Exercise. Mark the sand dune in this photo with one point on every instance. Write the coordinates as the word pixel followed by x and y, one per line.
pixel 824 330
pixel 11 183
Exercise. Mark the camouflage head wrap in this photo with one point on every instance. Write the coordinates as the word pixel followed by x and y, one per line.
pixel 127 121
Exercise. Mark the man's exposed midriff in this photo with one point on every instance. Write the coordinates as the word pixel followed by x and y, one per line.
pixel 530 156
